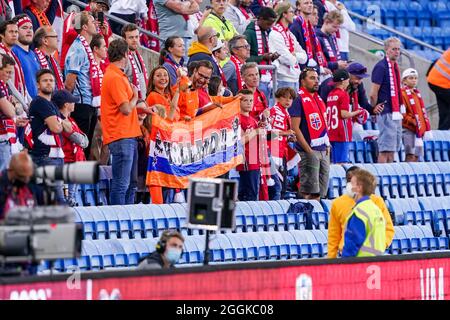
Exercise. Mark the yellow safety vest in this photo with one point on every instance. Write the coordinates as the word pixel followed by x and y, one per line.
pixel 440 73
pixel 224 27
pixel 375 224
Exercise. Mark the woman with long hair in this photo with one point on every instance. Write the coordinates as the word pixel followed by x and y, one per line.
pixel 171 56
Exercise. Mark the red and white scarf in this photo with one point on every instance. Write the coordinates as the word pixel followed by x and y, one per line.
pixel 237 65
pixel 312 42
pixel 266 75
pixel 95 72
pixel 19 78
pixel 315 109
pixel 333 57
pixel 222 74
pixel 135 70
pixel 287 36
pixel 363 116
pixel 266 3
pixel 394 85
pixel 44 65
pixel 53 140
pixel 152 26
pixel 8 126
pixel 415 109
pixel 247 14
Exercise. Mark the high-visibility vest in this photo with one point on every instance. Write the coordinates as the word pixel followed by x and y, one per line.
pixel 440 73
pixel 375 224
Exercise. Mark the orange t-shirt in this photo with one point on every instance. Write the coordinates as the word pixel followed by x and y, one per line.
pixel 116 90
pixel 156 98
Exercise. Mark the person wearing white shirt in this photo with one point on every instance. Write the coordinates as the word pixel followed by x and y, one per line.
pixel 348 25
pixel 128 10
pixel 282 41
pixel 238 15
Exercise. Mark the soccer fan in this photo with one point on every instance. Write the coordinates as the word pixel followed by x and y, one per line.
pixel 342 35
pixel 310 127
pixel 239 14
pixel 42 12
pixel 386 88
pixel 219 22
pixel 415 121
pixel 130 11
pixel 171 56
pixel 250 76
pixel 282 40
pixel 220 55
pixel 240 52
pixel 100 51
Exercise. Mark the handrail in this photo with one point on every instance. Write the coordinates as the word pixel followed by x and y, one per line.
pixel 379 42
pixel 118 20
pixel 401 34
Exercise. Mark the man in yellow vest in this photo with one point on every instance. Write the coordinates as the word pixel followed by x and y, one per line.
pixel 342 207
pixel 438 79
pixel 365 229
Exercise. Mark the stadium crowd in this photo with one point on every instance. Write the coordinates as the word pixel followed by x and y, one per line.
pixel 71 91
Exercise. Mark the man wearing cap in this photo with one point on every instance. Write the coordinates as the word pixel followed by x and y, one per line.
pixel 415 121
pixel 219 54
pixel 340 117
pixel 207 39
pixel 257 34
pixel 282 41
pixel 240 52
pixel 386 89
pixel 74 141
pixel 28 58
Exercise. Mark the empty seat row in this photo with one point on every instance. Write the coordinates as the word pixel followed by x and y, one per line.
pixel 410 239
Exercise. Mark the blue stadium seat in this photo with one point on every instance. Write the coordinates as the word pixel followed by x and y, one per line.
pixel 413 190
pixel 403 179
pixel 319 216
pixel 337 182
pixel 395 182
pixel 302 243
pixel 229 252
pixel 89 197
pixel 263 250
pixel 396 246
pixel 359 151
pixel 159 219
pixel 294 248
pixel 265 218
pixel 398 209
pixel 90 254
pixel 216 252
pixel 191 253
pixel 326 204
pixel 404 240
pixel 136 220
pixel 141 247
pixel 94 222
pixel 111 214
pixel 438 206
pixel 368 150
pixel 124 252
pixel 150 243
pixel 384 181
pixel 271 248
pixel 171 216
pixel 247 221
pixel 181 213
pixel 292 218
pixel 415 244
pixel 322 239
pixel 235 240
pixel 438 179
pixel 250 249
pixel 105 250
pixel 280 213
pixel 424 187
pixel 444 169
pixel 282 246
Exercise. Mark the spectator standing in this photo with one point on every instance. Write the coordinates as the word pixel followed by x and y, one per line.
pixel 314 17
pixel 219 22
pixel 240 52
pixel 84 77
pixel 239 14
pixel 173 18
pixel 257 34
pixel 42 12
pixel 100 51
pixel 415 121
pixel 9 143
pixel 5 11
pixel 9 33
pixel 171 56
pixel 47 124
pixel 136 70
pixel 386 88
pixel 250 77
pixel 343 37
pixel 327 37
pixel 322 10
pixel 45 42
pixel 202 49
pixel 250 170
pixel 310 127
pixel 282 41
pixel 27 57
pixel 128 10
pixel 168 251
pixel 340 117
pixel 342 207
pixel 439 82
pixel 73 142
pixel 120 124
pixel 257 5
pixel 220 55
pixel 365 228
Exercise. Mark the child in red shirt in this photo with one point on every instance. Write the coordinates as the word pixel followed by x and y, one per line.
pixel 250 170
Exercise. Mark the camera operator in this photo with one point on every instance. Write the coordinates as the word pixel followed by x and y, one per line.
pixel 14 189
pixel 47 124
pixel 168 251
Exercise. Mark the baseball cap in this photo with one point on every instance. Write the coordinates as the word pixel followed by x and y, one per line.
pixel 410 72
pixel 63 96
pixel 340 75
pixel 282 8
pixel 219 45
pixel 358 70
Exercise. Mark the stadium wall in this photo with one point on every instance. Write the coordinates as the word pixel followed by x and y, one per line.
pixel 415 277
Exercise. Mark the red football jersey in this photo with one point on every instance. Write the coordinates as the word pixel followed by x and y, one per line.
pixel 251 161
pixel 339 130
pixel 279 120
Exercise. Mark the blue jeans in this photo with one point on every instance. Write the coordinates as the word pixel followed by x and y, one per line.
pixel 264 87
pixel 293 85
pixel 124 171
pixel 57 186
pixel 5 154
pixel 249 183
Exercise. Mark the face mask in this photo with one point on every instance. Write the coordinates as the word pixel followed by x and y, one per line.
pixel 173 255
pixel 349 191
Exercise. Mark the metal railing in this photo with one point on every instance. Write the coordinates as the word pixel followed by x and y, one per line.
pixel 399 33
pixel 118 20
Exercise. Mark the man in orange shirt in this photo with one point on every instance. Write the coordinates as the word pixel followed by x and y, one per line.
pixel 120 124
pixel 342 207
